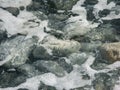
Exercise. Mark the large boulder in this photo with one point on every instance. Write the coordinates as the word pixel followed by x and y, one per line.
pixel 15 51
pixel 49 66
pixel 61 47
pixel 110 51
pixel 103 33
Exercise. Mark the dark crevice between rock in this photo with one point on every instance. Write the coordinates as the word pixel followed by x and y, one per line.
pixel 46 87
pixel 22 89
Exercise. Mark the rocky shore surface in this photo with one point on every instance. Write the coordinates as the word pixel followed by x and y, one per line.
pixel 59 45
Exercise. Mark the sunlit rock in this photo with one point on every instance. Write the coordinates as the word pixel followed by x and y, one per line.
pixel 111 51
pixel 61 47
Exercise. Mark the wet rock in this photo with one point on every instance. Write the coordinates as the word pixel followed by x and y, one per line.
pixel 67 66
pixel 86 77
pixel 11 79
pixel 40 15
pixel 57 21
pixel 21 8
pixel 8 44
pixel 110 51
pixel 3 32
pixel 28 70
pixel 23 89
pixel 116 1
pixel 91 2
pixel 116 9
pixel 57 33
pixel 103 82
pixel 61 47
pixel 90 47
pixel 49 66
pixel 45 6
pixel 15 51
pixel 104 13
pixel 3 35
pixel 75 29
pixel 13 10
pixel 99 63
pixel 64 4
pixel 1 69
pixel 46 87
pixel 104 33
pixel 116 24
pixel 34 6
pixel 86 87
pixel 41 53
pixel 78 58
pixel 90 15
pixel 51 6
pixel 58 16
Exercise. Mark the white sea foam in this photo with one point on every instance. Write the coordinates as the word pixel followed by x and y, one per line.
pixel 26 23
pixel 14 3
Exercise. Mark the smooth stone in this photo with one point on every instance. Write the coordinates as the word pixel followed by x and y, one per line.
pixel 50 66
pixel 110 51
pixel 28 70
pixel 40 53
pixel 13 10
